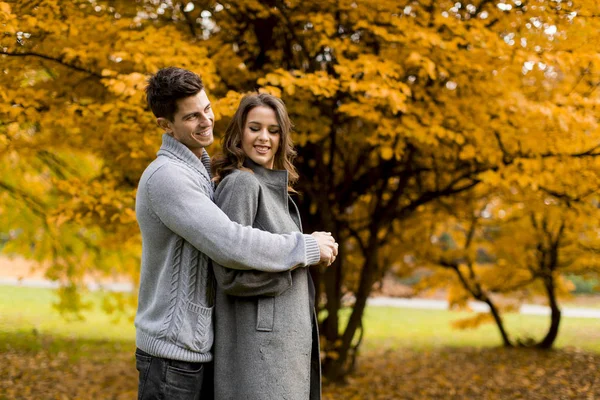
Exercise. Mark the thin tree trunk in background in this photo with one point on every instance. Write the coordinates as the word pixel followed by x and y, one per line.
pixel 555 315
pixel 336 368
pixel 499 322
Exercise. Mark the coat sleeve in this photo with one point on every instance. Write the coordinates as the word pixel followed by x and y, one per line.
pixel 178 201
pixel 239 196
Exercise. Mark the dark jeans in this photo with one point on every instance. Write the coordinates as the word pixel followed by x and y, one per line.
pixel 165 379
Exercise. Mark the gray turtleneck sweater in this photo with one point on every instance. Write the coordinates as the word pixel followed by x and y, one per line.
pixel 181 229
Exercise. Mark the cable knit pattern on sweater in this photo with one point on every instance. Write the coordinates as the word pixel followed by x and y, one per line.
pixel 174 280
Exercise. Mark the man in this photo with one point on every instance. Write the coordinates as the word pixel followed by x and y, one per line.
pixel 181 230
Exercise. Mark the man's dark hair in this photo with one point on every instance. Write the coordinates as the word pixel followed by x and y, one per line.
pixel 169 85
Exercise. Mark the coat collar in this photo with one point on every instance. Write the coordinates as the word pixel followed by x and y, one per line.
pixel 273 177
pixel 278 180
pixel 173 148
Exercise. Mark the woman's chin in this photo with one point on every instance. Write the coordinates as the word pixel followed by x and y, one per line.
pixel 263 161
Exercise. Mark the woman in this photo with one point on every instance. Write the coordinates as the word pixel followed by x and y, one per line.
pixel 266 339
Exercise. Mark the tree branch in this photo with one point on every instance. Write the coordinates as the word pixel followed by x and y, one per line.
pixel 49 58
pixel 190 23
pixel 32 203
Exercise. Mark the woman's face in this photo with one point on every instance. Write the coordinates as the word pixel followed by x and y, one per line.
pixel 261 136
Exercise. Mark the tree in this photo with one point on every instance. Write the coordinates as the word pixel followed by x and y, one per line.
pixel 502 250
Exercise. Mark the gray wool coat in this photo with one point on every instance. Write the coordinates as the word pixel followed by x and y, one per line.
pixel 266 339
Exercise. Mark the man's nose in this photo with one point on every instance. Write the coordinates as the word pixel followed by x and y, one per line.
pixel 204 118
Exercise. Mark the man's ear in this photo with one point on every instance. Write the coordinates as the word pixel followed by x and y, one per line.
pixel 164 124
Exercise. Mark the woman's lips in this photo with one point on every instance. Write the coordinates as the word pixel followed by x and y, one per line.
pixel 262 149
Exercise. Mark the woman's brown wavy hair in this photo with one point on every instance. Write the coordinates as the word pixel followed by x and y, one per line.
pixel 233 156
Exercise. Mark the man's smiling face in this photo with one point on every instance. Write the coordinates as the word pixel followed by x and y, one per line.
pixel 193 123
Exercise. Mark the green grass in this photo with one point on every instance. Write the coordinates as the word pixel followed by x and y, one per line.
pixel 423 329
pixel 29 322
pixel 594 303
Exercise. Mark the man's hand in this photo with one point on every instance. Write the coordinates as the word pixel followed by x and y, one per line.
pixel 327 247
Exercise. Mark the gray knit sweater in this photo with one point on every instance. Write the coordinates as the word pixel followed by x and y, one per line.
pixel 181 229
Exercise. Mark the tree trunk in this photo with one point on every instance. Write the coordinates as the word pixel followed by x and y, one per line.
pixel 555 314
pixel 499 322
pixel 479 294
pixel 332 278
pixel 336 368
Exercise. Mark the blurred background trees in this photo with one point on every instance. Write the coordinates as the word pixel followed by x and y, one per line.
pixel 460 138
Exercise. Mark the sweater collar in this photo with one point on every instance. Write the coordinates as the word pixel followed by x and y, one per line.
pixel 174 148
pixel 273 177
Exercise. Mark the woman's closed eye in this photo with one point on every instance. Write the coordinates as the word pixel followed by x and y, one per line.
pixel 273 131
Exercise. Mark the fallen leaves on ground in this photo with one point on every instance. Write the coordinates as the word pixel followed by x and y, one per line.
pixel 469 373
pixel 98 371
pixel 464 373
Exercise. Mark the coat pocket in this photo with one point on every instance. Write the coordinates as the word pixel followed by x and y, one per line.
pixel 196 332
pixel 265 314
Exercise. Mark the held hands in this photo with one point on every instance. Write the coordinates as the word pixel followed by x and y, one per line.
pixel 327 247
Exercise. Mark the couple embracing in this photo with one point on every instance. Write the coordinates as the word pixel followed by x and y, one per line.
pixel 226 302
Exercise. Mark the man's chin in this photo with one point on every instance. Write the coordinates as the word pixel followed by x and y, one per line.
pixel 206 141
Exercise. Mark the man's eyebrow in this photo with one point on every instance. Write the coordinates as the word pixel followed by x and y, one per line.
pixel 189 115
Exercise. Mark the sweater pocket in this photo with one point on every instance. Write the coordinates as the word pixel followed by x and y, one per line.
pixel 265 314
pixel 196 332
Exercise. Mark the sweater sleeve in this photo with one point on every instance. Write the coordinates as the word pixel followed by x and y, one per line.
pixel 238 197
pixel 176 198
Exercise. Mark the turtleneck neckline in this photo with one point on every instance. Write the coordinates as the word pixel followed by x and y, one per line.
pixel 277 177
pixel 180 151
